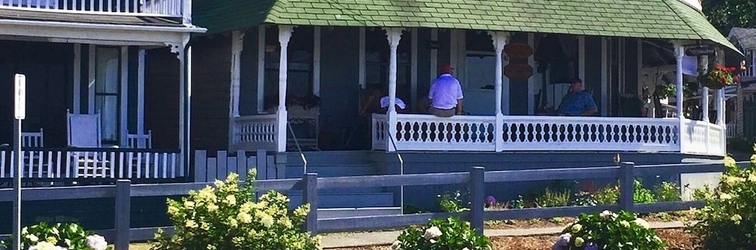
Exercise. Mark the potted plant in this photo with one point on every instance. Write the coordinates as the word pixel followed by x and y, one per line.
pixel 718 78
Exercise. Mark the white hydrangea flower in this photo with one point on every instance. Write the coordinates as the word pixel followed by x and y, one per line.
pixel 96 242
pixel 397 245
pixel 642 223
pixel 46 246
pixel 432 233
pixel 606 214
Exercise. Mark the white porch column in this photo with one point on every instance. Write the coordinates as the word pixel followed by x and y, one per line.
pixel 679 53
pixel 703 67
pixel 394 35
pixel 720 98
pixel 237 44
pixel 261 68
pixel 499 41
pixel 284 35
pixel 124 115
pixel 140 92
pixel 184 55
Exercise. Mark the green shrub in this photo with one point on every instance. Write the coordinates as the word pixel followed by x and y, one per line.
pixel 704 193
pixel 608 195
pixel 642 194
pixel 227 217
pixel 451 202
pixel 607 230
pixel 518 203
pixel 551 198
pixel 583 199
pixel 728 221
pixel 668 191
pixel 442 234
pixel 58 236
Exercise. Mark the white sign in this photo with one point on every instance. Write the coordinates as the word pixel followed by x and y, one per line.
pixel 20 96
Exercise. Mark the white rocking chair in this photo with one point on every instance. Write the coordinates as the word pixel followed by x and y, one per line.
pixel 33 139
pixel 141 141
pixel 84 132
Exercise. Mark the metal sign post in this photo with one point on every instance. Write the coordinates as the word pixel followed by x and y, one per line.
pixel 19 113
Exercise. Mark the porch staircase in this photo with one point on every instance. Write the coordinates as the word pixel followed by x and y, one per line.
pixel 348 202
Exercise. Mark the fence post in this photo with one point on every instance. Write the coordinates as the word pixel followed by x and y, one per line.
pixel 262 164
pixel 627 186
pixel 200 166
pixel 122 214
pixel 310 196
pixel 476 185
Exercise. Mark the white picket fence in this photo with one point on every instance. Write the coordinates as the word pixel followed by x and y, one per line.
pixel 58 164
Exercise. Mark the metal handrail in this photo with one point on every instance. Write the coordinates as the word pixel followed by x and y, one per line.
pixel 296 142
pixel 401 165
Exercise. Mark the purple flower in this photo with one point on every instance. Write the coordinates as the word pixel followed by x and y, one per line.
pixel 490 201
pixel 591 246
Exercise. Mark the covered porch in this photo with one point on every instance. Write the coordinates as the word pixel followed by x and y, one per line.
pixel 99 106
pixel 509 75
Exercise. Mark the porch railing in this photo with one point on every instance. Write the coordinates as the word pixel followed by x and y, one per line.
pixel 172 8
pixel 94 163
pixel 422 132
pixel 590 133
pixel 551 133
pixel 699 137
pixel 254 131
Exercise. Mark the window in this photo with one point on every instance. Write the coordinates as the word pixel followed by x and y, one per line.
pixel 377 58
pixel 107 92
pixel 300 57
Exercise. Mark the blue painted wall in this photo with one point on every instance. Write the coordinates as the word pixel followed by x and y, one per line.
pixel 339 84
pixel 248 84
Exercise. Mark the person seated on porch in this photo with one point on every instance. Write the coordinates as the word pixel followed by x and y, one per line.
pixel 577 102
pixel 377 103
pixel 445 94
pixel 423 105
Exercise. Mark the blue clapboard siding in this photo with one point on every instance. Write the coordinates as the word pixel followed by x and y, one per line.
pixel 248 81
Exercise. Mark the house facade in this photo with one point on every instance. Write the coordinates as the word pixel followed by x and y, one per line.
pixel 310 69
pixel 113 72
pixel 745 40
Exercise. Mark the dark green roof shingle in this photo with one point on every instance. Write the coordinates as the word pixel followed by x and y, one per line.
pixel 661 19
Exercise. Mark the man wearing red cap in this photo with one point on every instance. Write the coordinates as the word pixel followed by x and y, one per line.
pixel 445 94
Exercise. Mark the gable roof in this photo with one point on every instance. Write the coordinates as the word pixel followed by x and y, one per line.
pixel 660 19
pixel 744 37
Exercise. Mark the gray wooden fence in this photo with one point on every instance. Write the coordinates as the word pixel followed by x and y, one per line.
pixel 209 168
pixel 476 178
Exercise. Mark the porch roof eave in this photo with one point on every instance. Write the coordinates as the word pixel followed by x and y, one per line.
pixel 656 19
pixel 97 33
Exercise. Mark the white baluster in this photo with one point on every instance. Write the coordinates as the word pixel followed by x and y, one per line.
pixel 3 166
pixel 130 163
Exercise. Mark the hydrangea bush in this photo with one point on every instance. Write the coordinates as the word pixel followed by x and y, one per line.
pixel 728 221
pixel 442 234
pixel 226 217
pixel 608 230
pixel 58 236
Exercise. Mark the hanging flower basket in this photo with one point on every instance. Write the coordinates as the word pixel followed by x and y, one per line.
pixel 718 78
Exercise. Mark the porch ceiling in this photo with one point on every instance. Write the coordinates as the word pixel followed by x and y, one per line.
pixel 662 19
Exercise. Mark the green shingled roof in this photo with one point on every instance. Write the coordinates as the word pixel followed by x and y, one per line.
pixel 662 19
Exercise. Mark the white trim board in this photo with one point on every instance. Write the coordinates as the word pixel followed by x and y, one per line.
pixel 91 34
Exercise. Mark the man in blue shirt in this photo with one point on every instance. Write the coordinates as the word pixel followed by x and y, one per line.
pixel 577 102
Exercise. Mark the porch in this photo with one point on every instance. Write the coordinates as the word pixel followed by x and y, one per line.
pixel 299 82
pixel 157 8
